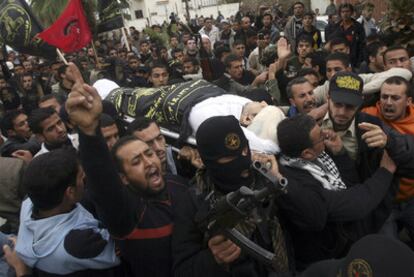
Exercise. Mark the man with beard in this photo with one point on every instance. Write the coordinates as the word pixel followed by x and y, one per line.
pixel 336 209
pixel 49 127
pixel 375 62
pixel 191 49
pixel 294 25
pixel 364 137
pixel 340 62
pixel 397 57
pixel 30 93
pixel 133 200
pixel 149 132
pixel 64 86
pixel 352 31
pixel 226 155
pixel 15 127
pixel 300 95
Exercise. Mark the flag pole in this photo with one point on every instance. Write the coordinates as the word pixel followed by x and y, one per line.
pixel 126 39
pixel 95 53
pixel 124 33
pixel 61 56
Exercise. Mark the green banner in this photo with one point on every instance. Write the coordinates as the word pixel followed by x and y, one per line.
pixel 110 17
pixel 19 29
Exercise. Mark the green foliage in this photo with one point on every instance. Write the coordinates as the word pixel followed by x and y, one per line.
pixel 398 23
pixel 158 38
pixel 48 11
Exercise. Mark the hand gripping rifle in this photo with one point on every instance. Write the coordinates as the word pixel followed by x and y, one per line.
pixel 236 206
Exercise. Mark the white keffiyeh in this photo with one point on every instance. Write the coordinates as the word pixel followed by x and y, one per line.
pixel 322 169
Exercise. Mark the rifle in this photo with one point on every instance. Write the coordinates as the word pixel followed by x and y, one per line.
pixel 236 206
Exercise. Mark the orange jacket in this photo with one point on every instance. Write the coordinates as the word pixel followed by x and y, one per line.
pixel 403 126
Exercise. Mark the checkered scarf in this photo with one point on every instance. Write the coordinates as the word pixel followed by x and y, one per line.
pixel 322 169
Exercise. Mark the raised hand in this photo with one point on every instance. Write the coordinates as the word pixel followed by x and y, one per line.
pixel 260 79
pixel 283 49
pixel 374 136
pixel 84 104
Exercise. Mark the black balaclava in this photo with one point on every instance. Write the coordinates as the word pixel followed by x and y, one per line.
pixel 222 136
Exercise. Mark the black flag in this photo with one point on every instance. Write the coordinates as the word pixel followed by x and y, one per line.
pixel 110 16
pixel 19 29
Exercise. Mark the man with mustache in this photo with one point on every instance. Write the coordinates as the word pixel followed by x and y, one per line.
pixel 396 110
pixel 132 197
pixel 49 127
pixel 364 137
pixel 301 97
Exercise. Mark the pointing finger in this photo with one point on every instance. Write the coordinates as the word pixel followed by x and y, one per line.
pixel 367 126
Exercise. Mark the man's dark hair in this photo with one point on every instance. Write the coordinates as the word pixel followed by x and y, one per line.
pixel 231 58
pixel 373 48
pixel 38 116
pixel 305 38
pixel 133 58
pixel 192 60
pixel 26 74
pixel 394 48
pixel 345 5
pixel 207 18
pixel 139 124
pixel 218 53
pixel 397 80
pixel 293 134
pixel 46 97
pixel 106 120
pixel 311 14
pixel 338 40
pixel 342 57
pixel 158 65
pixel 318 59
pixel 176 50
pixel 307 71
pixel 268 14
pixel 143 42
pixel 238 42
pixel 298 3
pixel 251 33
pixel 265 32
pixel 7 121
pixel 48 176
pixel 119 144
pixel 296 81
pixel 173 36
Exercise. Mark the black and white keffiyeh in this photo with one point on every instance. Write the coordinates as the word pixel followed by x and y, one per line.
pixel 322 169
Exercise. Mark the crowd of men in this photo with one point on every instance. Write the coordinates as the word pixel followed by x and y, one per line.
pixel 91 185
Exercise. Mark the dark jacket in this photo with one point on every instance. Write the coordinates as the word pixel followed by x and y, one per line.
pixel 323 224
pixel 356 38
pixel 191 254
pixel 16 143
pixel 400 148
pixel 142 225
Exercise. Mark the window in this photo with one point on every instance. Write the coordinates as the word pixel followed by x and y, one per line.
pixel 139 14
